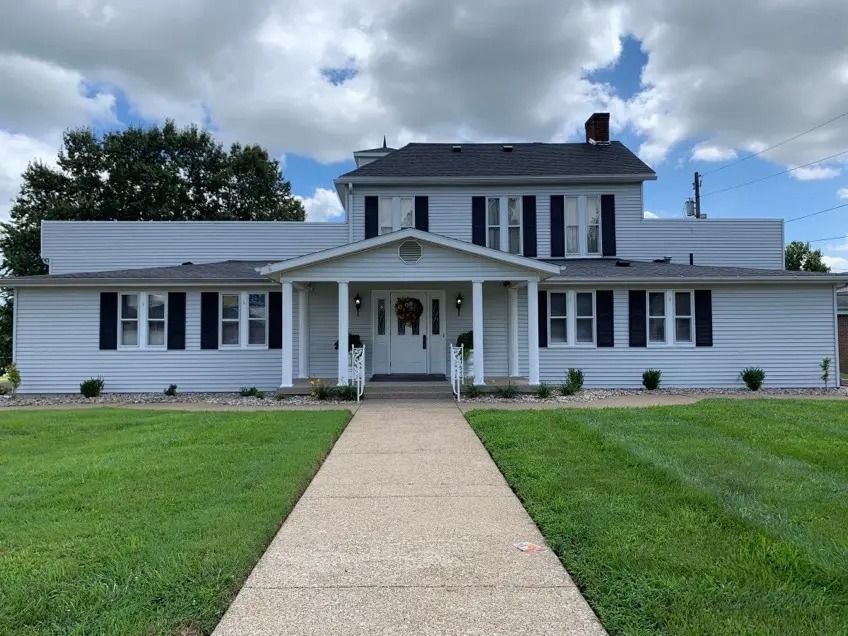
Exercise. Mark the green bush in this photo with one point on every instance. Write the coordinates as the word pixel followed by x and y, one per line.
pixel 171 391
pixel 651 379
pixel 320 391
pixel 14 377
pixel 544 391
pixel 507 392
pixel 471 390
pixel 92 387
pixel 753 377
pixel 824 366
pixel 280 396
pixel 346 393
pixel 573 382
pixel 251 391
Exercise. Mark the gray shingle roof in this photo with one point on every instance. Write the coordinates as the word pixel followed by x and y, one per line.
pixel 489 160
pixel 224 270
pixel 610 269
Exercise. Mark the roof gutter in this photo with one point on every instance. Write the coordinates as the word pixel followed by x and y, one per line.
pixel 518 179
pixel 677 280
pixel 133 282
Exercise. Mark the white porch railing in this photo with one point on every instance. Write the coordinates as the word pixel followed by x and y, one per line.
pixel 356 370
pixel 457 373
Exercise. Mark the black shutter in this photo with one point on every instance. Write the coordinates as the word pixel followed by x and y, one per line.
pixel 371 217
pixel 703 318
pixel 176 320
pixel 557 226
pixel 422 214
pixel 108 320
pixel 478 221
pixel 209 320
pixel 543 318
pixel 605 329
pixel 608 224
pixel 638 325
pixel 275 320
pixel 528 220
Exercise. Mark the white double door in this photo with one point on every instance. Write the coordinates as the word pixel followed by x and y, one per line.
pixel 417 347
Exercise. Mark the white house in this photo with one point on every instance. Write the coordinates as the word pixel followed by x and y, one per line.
pixel 541 250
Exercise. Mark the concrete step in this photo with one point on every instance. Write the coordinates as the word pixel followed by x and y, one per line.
pixel 408 390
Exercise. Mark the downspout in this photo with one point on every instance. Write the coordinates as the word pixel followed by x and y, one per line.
pixel 349 212
pixel 836 337
pixel 15 325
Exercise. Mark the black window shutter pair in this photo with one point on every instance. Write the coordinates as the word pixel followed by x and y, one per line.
pixel 372 220
pixel 703 318
pixel 109 320
pixel 209 319
pixel 608 244
pixel 604 322
pixel 528 223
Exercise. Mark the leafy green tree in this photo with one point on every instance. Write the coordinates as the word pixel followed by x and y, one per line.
pixel 162 173
pixel 799 256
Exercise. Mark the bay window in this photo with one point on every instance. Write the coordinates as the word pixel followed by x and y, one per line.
pixel 142 320
pixel 571 318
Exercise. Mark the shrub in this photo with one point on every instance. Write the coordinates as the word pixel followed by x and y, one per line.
pixel 320 391
pixel 507 392
pixel 824 366
pixel 280 396
pixel 471 390
pixel 4 388
pixel 753 377
pixel 92 387
pixel 651 379
pixel 251 392
pixel 567 389
pixel 171 391
pixel 14 377
pixel 544 391
pixel 346 393
pixel 573 382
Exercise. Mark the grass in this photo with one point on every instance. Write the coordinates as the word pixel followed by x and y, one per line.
pixel 117 521
pixel 722 517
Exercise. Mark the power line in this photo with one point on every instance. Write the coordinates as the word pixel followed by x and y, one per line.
pixel 829 238
pixel 806 216
pixel 777 145
pixel 776 174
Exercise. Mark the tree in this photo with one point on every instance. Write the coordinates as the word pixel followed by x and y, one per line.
pixel 800 257
pixel 139 174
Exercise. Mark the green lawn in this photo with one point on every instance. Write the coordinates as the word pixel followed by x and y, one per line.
pixel 118 521
pixel 723 517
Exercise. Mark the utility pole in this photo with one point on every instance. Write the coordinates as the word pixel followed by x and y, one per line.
pixel 697 185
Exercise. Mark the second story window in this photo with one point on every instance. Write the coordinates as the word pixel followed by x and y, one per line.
pixel 493 223
pixel 582 225
pixel 513 221
pixel 386 215
pixel 407 212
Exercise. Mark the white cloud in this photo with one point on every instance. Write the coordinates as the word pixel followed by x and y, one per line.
pixel 816 173
pixel 16 151
pixel 708 152
pixel 842 193
pixel 322 206
pixel 836 263
pixel 650 215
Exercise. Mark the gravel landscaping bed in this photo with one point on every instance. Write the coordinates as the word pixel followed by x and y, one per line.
pixel 590 395
pixel 213 399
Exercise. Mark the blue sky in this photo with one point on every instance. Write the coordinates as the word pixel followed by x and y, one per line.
pixel 688 87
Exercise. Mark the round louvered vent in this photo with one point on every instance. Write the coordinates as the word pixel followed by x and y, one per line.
pixel 410 251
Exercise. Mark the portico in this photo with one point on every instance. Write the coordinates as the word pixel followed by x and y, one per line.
pixel 356 289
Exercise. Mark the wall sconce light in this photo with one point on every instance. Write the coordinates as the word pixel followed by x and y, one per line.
pixel 458 303
pixel 357 302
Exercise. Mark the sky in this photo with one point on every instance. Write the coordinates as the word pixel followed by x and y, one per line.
pixel 690 86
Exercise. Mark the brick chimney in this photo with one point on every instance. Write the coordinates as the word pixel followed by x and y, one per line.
pixel 597 128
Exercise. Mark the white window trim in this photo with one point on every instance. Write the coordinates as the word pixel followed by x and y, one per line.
pixel 243 320
pixel 500 224
pixel 507 226
pixel 147 319
pixel 582 226
pixel 571 319
pixel 141 322
pixel 395 207
pixel 669 319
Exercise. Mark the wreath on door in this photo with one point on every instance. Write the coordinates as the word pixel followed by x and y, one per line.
pixel 408 310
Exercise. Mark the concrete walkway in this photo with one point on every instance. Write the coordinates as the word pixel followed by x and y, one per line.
pixel 408 528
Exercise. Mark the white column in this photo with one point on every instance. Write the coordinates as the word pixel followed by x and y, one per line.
pixel 512 298
pixel 533 332
pixel 303 332
pixel 288 342
pixel 477 328
pixel 344 310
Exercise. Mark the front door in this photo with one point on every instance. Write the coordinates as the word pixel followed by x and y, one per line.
pixel 408 346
